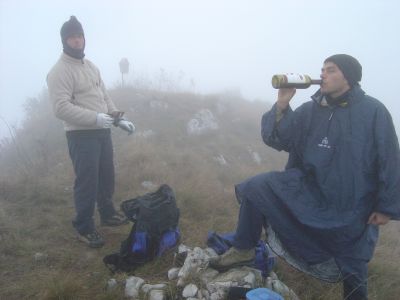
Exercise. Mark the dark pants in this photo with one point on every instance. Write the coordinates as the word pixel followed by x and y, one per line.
pixel 91 152
pixel 248 233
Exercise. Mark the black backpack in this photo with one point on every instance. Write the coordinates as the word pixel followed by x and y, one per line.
pixel 155 230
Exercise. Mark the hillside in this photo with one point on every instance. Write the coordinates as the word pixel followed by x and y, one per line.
pixel 201 145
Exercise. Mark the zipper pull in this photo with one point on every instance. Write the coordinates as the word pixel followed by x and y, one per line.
pixel 330 117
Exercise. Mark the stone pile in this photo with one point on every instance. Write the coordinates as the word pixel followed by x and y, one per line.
pixel 191 278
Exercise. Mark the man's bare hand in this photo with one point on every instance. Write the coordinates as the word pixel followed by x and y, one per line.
pixel 284 97
pixel 377 218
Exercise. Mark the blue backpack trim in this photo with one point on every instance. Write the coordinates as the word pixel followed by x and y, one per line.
pixel 168 240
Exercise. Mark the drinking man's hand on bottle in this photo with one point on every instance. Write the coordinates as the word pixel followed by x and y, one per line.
pixel 284 97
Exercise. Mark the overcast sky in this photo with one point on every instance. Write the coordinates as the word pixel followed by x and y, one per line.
pixel 221 44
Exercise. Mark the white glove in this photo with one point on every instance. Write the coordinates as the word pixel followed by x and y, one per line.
pixel 127 126
pixel 104 120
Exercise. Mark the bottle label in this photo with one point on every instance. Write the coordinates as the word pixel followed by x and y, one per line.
pixel 296 78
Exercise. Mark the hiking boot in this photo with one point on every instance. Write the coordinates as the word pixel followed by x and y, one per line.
pixel 234 258
pixel 93 239
pixel 115 220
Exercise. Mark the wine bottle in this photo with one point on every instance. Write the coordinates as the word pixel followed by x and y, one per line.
pixel 293 80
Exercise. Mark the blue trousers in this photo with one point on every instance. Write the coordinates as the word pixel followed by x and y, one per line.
pixel 91 152
pixel 248 232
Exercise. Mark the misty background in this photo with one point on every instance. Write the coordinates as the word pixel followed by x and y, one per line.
pixel 205 46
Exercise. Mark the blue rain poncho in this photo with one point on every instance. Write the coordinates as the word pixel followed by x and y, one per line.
pixel 343 164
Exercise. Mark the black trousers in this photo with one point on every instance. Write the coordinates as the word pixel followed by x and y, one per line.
pixel 91 152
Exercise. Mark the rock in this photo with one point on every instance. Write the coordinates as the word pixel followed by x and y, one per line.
pixel 148 287
pixel 256 158
pixel 111 284
pixel 132 286
pixel 250 279
pixel 195 261
pixel 173 273
pixel 194 271
pixel 273 276
pixel 180 255
pixel 145 133
pixel 204 294
pixel 157 295
pixel 279 287
pixel 148 185
pixel 220 159
pixel 208 275
pixel 183 248
pixel 236 277
pixel 219 295
pixel 202 122
pixel 223 286
pixel 268 283
pixel 190 290
pixel 40 257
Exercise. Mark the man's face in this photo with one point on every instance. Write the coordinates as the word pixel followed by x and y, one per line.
pixel 76 41
pixel 333 83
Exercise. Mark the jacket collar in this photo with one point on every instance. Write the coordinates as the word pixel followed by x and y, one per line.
pixel 70 59
pixel 351 96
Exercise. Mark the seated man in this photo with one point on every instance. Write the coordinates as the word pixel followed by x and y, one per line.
pixel 341 181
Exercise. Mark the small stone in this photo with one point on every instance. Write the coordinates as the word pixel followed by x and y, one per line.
pixel 190 290
pixel 173 273
pixel 205 294
pixel 273 276
pixel 208 275
pixel 218 295
pixel 279 287
pixel 40 257
pixel 157 295
pixel 250 279
pixel 112 284
pixel 132 286
pixel 148 287
pixel 268 283
pixel 148 185
pixel 183 248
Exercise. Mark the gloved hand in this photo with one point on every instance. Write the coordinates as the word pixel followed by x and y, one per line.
pixel 118 116
pixel 127 126
pixel 104 120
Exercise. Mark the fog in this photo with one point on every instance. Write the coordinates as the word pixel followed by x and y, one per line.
pixel 210 46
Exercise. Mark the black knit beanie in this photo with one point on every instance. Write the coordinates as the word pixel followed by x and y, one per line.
pixel 350 67
pixel 69 28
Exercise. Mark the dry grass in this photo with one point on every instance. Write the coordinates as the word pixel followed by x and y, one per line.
pixel 36 204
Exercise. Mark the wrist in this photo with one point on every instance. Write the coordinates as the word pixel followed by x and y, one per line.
pixel 281 106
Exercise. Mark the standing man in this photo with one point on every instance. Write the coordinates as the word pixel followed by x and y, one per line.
pixel 341 182
pixel 80 99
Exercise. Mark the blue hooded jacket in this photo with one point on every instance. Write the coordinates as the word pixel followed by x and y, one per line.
pixel 344 164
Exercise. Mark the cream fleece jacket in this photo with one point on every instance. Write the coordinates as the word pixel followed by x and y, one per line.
pixel 77 93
